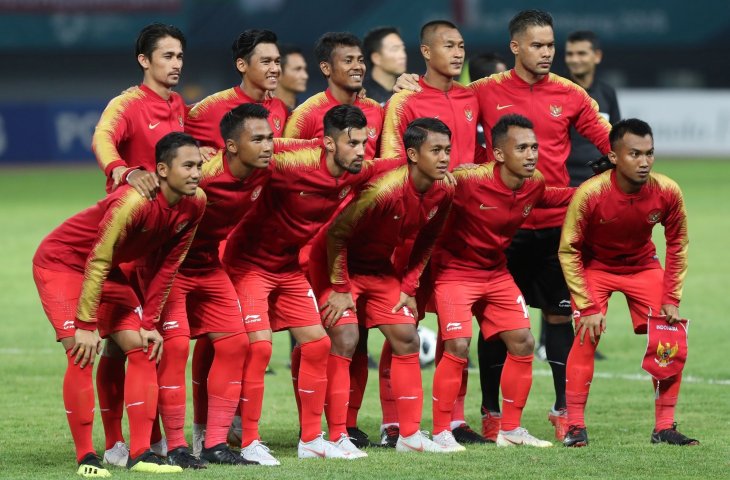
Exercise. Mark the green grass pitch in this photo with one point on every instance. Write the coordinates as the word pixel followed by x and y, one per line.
pixel 35 441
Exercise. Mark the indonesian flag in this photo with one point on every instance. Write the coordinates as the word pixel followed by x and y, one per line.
pixel 666 347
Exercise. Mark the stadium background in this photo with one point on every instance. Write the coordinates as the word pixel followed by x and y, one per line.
pixel 61 61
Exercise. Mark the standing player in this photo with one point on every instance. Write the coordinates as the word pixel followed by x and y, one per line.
pixel 385 55
pixel 355 271
pixel 256 58
pixel 469 266
pixel 76 269
pixel 606 247
pixel 294 76
pixel 124 145
pixel 262 259
pixel 343 65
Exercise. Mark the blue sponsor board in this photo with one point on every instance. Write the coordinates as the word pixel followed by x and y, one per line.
pixel 39 133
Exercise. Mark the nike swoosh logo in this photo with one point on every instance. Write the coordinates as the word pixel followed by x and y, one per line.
pixel 419 449
pixel 319 454
pixel 396 217
pixel 153 125
pixel 305 391
pixel 502 107
pixel 603 221
pixel 305 194
pixel 485 207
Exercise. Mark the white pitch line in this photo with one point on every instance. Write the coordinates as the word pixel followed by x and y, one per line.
pixel 641 377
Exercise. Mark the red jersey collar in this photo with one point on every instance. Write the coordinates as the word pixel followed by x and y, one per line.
pixel 427 86
pixel 336 102
pixel 500 183
pixel 154 95
pixel 523 84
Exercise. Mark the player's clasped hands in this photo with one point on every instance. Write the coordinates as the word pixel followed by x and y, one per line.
pixel 337 303
pixel 594 324
pixel 87 346
pixel 152 337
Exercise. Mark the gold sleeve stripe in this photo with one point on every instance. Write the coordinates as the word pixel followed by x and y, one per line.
pixel 496 78
pixel 485 170
pixel 391 138
pixel 213 167
pixel 200 108
pixel 307 156
pixel 103 143
pixel 297 121
pixel 666 184
pixel 112 232
pixel 570 259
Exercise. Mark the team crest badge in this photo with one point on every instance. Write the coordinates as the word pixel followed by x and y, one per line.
pixel 277 123
pixel 372 132
pixel 665 354
pixel 556 110
pixel 468 114
pixel 255 194
pixel 526 211
pixel 344 192
pixel 666 347
pixel 180 120
pixel 432 213
pixel 654 216
pixel 180 226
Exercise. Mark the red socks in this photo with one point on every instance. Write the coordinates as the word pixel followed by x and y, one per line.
pixel 312 386
pixel 408 392
pixel 224 386
pixel 516 382
pixel 140 397
pixel 202 360
pixel 172 397
pixel 110 388
pixel 78 399
pixel 358 380
pixel 252 393
pixel 446 385
pixel 296 360
pixel 666 401
pixel 338 392
pixel 387 401
pixel 579 375
pixel 458 413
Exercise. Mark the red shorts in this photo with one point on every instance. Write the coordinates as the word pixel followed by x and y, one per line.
pixel 274 301
pixel 201 304
pixel 502 307
pixel 643 292
pixel 119 308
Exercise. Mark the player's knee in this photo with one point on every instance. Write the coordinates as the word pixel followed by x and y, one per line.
pixel 523 344
pixel 261 350
pixel 406 344
pixel 176 349
pixel 459 347
pixel 344 342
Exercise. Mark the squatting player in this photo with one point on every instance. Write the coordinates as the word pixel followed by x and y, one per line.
pixel 469 267
pixel 82 289
pixel 606 247
pixel 355 271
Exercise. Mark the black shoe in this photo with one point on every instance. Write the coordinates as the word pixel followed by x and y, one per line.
pixel 182 457
pixel 372 364
pixel 576 437
pixel 598 355
pixel 270 371
pixel 149 462
pixel 464 434
pixel 90 466
pixel 389 436
pixel 221 454
pixel 672 437
pixel 359 438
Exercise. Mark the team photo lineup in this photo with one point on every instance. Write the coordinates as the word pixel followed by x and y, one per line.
pixel 468 191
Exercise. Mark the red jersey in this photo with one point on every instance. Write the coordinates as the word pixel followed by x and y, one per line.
pixel 606 229
pixel 205 117
pixel 485 216
pixel 229 199
pixel 300 199
pixel 121 228
pixel 457 108
pixel 553 104
pixel 380 220
pixel 307 120
pixel 130 127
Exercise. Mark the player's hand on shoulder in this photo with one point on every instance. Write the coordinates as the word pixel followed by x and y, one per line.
pixel 153 338
pixel 206 153
pixel 337 303
pixel 450 179
pixel 407 81
pixel 87 346
pixel 117 175
pixel 146 183
pixel 671 312
pixel 594 324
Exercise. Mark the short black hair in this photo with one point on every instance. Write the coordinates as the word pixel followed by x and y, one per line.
pixel 373 41
pixel 629 125
pixel 500 129
pixel 343 117
pixel 432 26
pixel 245 43
pixel 166 148
pixel 529 18
pixel 417 131
pixel 287 49
pixel 233 121
pixel 151 34
pixel 483 65
pixel 329 41
pixel 585 36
